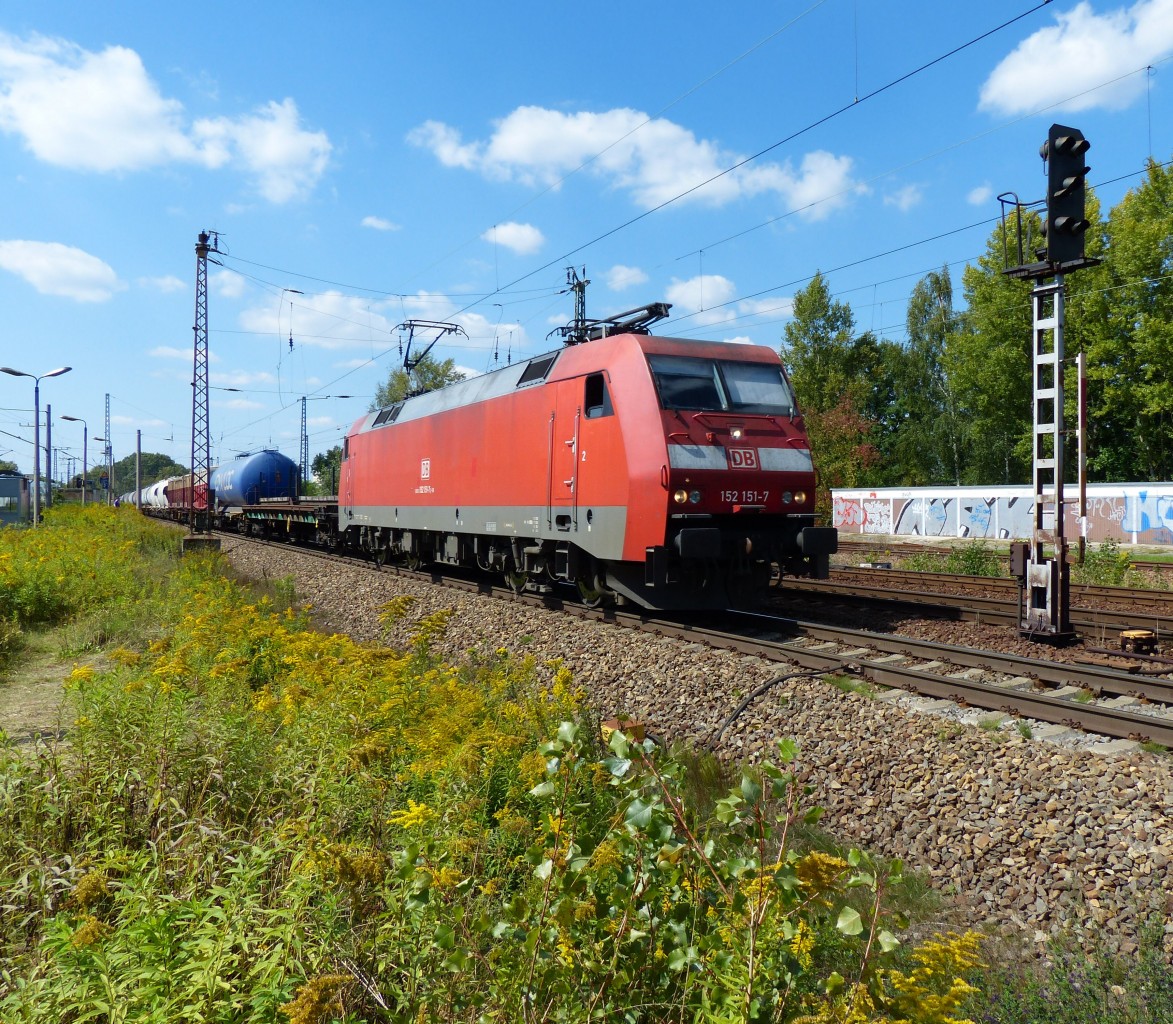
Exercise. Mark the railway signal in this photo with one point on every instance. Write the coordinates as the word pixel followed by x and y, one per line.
pixel 1065 225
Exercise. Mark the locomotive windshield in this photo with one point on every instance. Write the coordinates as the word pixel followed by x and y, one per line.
pixel 721 385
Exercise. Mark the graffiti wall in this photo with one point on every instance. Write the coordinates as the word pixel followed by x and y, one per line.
pixel 1128 513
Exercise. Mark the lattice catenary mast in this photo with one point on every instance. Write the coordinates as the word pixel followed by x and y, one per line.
pixel 201 438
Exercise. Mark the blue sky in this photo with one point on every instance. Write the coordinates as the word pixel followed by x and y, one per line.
pixel 449 161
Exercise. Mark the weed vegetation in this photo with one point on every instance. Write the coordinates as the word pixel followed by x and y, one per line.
pixel 973 558
pixel 252 821
pixel 1106 565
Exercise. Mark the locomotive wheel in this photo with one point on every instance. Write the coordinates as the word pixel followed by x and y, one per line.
pixel 592 596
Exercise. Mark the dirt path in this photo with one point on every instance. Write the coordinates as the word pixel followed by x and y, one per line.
pixel 31 690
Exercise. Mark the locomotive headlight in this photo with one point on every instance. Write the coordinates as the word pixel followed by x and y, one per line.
pixel 694 497
pixel 800 497
pixel 735 433
pixel 787 497
pixel 680 497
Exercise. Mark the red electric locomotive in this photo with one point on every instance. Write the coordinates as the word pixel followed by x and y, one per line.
pixel 670 473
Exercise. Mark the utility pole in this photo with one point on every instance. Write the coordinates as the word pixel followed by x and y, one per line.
pixel 304 468
pixel 50 467
pixel 109 455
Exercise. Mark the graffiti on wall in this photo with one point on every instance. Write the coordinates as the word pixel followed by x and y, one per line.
pixel 1142 517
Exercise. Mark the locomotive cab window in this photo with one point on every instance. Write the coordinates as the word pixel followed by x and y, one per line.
pixel 597 398
pixel 720 385
pixel 345 448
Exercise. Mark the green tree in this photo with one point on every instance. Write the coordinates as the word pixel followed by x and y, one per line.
pixel 1130 341
pixel 832 372
pixel 7 466
pixel 429 374
pixel 928 442
pixel 155 466
pixel 326 468
pixel 987 361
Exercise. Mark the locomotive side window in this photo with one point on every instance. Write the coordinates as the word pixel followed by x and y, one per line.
pixel 597 399
pixel 720 385
pixel 537 369
pixel 345 448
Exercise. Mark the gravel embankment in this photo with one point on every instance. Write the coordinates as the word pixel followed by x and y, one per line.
pixel 1028 835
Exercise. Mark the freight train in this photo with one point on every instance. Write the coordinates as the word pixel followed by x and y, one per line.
pixel 663 472
pixel 249 479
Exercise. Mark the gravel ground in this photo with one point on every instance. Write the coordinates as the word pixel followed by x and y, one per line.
pixel 1027 836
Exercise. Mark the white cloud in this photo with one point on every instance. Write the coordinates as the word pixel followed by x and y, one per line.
pixel 244 404
pixel 102 112
pixel 904 199
pixel 242 379
pixel 698 295
pixel 980 196
pixel 170 283
pixel 183 354
pixel 284 160
pixel 56 269
pixel 774 306
pixel 522 239
pixel 328 320
pixel 1080 52
pixel 335 321
pixel 652 158
pixel 620 277
pixel 379 224
pixel 227 284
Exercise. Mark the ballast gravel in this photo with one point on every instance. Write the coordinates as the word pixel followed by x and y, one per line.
pixel 1029 837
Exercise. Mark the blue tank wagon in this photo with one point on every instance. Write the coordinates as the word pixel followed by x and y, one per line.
pixel 254 477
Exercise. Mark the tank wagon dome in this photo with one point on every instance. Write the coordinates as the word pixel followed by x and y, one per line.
pixel 254 477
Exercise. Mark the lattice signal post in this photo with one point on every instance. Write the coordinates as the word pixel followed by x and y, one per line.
pixel 1041 565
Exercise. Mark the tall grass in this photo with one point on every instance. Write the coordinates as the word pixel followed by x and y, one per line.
pixel 257 822
pixel 81 560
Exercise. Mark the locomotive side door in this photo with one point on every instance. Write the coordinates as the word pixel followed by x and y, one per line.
pixel 346 474
pixel 565 426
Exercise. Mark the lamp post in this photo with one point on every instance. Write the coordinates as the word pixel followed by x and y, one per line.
pixel 36 429
pixel 85 441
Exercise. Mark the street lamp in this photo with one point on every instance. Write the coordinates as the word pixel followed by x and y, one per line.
pixel 36 429
pixel 85 441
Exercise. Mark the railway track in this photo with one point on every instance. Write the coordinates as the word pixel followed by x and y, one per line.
pixel 1087 698
pixel 1080 592
pixel 856 549
pixel 1000 608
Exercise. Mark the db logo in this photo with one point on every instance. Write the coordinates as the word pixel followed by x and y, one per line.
pixel 425 469
pixel 743 458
